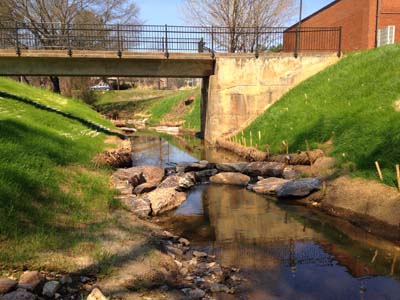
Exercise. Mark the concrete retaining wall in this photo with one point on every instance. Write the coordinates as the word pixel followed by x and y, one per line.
pixel 243 87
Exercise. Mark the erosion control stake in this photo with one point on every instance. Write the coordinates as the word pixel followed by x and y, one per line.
pixel 378 168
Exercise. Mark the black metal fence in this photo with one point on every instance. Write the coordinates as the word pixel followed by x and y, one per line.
pixel 166 39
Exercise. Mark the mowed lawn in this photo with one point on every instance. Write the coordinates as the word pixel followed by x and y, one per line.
pixel 164 105
pixel 351 104
pixel 51 195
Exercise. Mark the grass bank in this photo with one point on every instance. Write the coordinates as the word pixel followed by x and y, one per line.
pixel 163 106
pixel 52 198
pixel 353 104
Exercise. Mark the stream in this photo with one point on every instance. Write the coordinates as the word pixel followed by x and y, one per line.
pixel 283 251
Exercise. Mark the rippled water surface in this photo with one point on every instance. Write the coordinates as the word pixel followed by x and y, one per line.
pixel 285 251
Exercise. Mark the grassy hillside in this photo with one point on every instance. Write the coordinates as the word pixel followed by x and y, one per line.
pixel 51 196
pixel 161 106
pixel 352 104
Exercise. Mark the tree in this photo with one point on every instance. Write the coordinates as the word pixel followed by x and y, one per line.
pixel 241 19
pixel 49 20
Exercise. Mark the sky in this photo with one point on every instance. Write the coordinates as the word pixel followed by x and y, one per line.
pixel 160 12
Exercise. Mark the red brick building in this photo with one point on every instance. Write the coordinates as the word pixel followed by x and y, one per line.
pixel 365 23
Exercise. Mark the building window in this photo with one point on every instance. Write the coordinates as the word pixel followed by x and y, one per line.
pixel 386 36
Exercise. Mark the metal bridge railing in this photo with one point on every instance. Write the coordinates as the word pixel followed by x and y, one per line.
pixel 167 39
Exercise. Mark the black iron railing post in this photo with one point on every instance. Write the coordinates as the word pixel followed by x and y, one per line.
pixel 17 47
pixel 340 42
pixel 257 48
pixel 69 28
pixel 296 46
pixel 212 42
pixel 166 41
pixel 119 53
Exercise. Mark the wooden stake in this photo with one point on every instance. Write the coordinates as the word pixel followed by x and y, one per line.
pixel 398 176
pixel 286 144
pixel 251 138
pixel 378 168
pixel 259 137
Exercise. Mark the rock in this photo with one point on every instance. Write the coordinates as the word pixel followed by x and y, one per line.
pixel 163 200
pixel 184 167
pixel 184 241
pixel 196 293
pixel 144 188
pixel 205 173
pixel 65 279
pixel 140 206
pixel 84 279
pixel 199 254
pixel 7 285
pixel 218 288
pixel 136 176
pixel 50 288
pixel 268 186
pixel 173 250
pixel 232 167
pixel 30 280
pixel 265 169
pixel 133 175
pixel 290 173
pixel 299 187
pixel 179 182
pixel 20 294
pixel 96 294
pixel 231 178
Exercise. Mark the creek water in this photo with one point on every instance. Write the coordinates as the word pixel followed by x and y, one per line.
pixel 283 251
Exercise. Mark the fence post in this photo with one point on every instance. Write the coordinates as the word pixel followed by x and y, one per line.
pixel 119 42
pixel 296 46
pixel 340 42
pixel 166 41
pixel 212 42
pixel 17 48
pixel 69 40
pixel 257 50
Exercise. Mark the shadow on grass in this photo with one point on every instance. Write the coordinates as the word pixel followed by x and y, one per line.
pixel 35 208
pixel 84 122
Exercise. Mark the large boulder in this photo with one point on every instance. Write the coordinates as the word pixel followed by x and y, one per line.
pixel 20 294
pixel 265 169
pixel 200 175
pixel 231 178
pixel 180 181
pixel 144 188
pixel 50 288
pixel 269 186
pixel 299 188
pixel 232 167
pixel 133 175
pixel 7 285
pixel 184 167
pixel 30 280
pixel 163 200
pixel 140 206
pixel 96 294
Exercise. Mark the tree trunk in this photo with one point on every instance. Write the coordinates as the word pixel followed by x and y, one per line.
pixel 56 84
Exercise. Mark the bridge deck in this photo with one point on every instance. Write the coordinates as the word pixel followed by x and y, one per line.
pixel 105 63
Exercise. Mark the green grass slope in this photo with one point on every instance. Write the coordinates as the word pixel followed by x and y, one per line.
pixel 352 103
pixel 51 195
pixel 160 105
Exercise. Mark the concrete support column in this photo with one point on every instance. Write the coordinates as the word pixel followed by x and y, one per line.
pixel 204 103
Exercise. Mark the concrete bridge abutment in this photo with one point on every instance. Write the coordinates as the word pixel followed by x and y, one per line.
pixel 244 86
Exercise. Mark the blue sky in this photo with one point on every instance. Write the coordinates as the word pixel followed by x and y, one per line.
pixel 155 12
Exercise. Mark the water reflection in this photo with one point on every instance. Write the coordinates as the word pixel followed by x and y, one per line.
pixel 286 252
pixel 282 255
pixel 163 150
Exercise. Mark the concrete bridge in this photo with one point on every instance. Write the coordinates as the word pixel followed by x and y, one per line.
pixel 240 80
